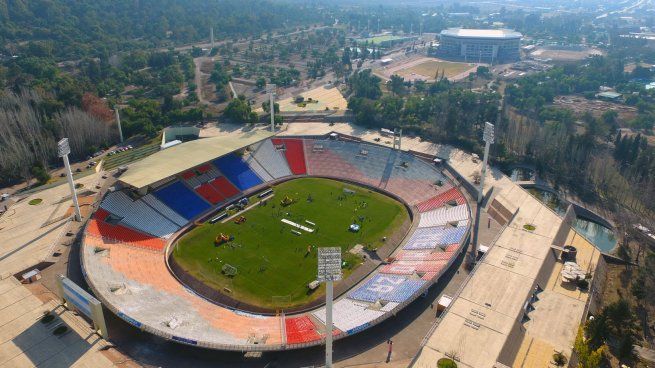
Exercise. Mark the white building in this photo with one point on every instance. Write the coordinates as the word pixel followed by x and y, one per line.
pixel 480 45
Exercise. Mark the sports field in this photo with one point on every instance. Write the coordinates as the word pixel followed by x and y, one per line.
pixel 427 69
pixel 273 265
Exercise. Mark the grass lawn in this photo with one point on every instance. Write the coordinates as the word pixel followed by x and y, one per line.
pixel 429 69
pixel 273 265
pixel 380 39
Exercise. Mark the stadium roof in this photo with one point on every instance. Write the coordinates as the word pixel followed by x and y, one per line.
pixel 481 33
pixel 184 156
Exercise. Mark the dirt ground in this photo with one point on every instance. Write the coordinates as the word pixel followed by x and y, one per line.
pixel 564 55
pixel 618 285
pixel 425 68
pixel 580 105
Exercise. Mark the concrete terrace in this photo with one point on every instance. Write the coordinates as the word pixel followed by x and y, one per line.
pixel 26 342
pixel 28 233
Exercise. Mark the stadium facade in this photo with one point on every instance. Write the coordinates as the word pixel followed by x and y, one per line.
pixel 480 45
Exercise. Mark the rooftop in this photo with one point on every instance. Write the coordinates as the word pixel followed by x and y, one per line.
pixel 481 33
pixel 489 310
pixel 184 156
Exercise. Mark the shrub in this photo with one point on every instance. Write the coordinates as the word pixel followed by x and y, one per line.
pixel 529 227
pixel 446 363
pixel 35 201
pixel 559 359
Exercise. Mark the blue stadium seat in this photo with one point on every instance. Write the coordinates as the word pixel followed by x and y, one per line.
pixel 237 171
pixel 392 288
pixel 182 200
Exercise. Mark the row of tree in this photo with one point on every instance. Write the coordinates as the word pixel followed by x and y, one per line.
pixel 29 135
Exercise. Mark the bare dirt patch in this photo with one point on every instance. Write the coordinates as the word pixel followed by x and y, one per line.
pixel 580 105
pixel 425 68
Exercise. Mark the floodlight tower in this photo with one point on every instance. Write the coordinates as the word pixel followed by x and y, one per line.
pixel 63 149
pixel 118 122
pixel 488 138
pixel 329 270
pixel 211 37
pixel 271 94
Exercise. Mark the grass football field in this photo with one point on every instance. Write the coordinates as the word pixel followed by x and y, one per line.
pixel 273 265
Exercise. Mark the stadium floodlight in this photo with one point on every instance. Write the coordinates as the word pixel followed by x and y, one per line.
pixel 488 137
pixel 63 149
pixel 329 270
pixel 271 94
pixel 118 122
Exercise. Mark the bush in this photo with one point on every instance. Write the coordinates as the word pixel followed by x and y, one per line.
pixel 35 201
pixel 40 174
pixel 446 363
pixel 559 359
pixel 529 227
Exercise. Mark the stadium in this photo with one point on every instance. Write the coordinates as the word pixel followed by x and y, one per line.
pixel 480 45
pixel 408 221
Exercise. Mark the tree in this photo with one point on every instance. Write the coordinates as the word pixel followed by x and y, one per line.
pixel 240 111
pixel 260 82
pixel 396 85
pixel 365 84
pixel 587 357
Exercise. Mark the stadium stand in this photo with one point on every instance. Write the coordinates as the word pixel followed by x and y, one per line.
pixel 322 161
pixel 119 260
pixel 452 195
pixel 208 192
pixel 110 232
pixel 138 215
pixel 409 268
pixel 202 174
pixel 443 216
pixel 370 160
pixel 295 154
pixel 258 168
pixel 451 247
pixel 271 159
pixel 223 186
pixel 158 206
pixel 349 314
pixel 415 180
pixel 237 171
pixel 390 288
pixel 182 200
pixel 431 237
pixel 300 330
pixel 139 281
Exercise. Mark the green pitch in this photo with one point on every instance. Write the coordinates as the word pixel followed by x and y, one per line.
pixel 272 264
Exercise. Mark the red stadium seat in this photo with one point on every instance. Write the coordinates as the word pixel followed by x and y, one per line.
pixel 188 174
pixel 295 154
pixel 224 187
pixel 209 193
pixel 451 194
pixel 101 214
pixel 204 168
pixel 300 330
pixel 125 235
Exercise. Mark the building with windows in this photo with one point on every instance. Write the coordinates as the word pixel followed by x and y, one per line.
pixel 480 45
